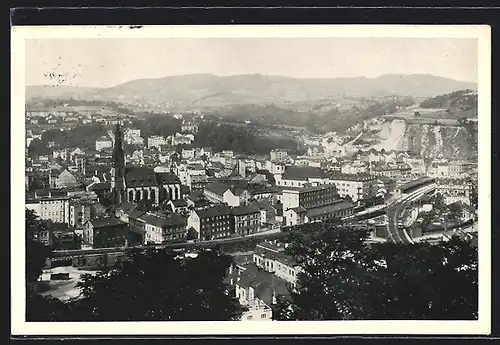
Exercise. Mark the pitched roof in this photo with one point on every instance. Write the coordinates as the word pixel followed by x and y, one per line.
pixel 100 186
pixel 243 210
pixel 179 203
pixel 140 177
pixel 318 211
pixel 217 188
pixel 136 214
pixel 213 211
pixel 126 207
pixel 302 173
pixel 104 138
pixel 106 222
pixel 167 178
pixel 263 283
pixel 171 219
pixel 298 209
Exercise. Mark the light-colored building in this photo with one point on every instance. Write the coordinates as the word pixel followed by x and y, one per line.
pixel 157 141
pixel 356 167
pixel 55 209
pixel 278 155
pixel 357 187
pixel 454 189
pixel 103 142
pixel 133 136
pixel 272 259
pixel 298 176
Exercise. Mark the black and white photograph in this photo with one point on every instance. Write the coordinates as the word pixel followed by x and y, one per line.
pixel 250 178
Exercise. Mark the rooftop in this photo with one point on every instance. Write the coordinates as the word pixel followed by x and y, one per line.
pixel 303 173
pixel 244 210
pixel 106 222
pixel 351 177
pixel 213 211
pixel 318 211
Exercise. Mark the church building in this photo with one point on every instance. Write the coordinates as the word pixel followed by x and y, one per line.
pixel 137 183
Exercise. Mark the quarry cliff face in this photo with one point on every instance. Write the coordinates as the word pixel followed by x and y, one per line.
pixel 441 139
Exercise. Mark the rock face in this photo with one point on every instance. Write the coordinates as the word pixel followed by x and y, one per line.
pixel 432 140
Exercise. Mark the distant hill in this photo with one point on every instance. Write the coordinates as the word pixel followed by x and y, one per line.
pixel 463 99
pixel 207 90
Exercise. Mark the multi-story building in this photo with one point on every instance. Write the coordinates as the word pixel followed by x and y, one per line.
pixel 55 209
pixel 157 141
pixel 393 170
pixel 133 136
pixel 164 228
pixel 308 197
pixel 103 142
pixel 357 187
pixel 246 220
pixel 278 155
pixel 212 222
pixel 107 232
pixel 454 189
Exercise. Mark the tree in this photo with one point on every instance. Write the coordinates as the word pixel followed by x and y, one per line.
pixel 155 285
pixel 37 253
pixel 345 278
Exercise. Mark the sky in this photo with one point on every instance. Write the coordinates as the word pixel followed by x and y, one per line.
pixel 105 62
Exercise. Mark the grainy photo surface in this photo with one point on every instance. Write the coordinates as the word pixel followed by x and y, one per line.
pixel 241 175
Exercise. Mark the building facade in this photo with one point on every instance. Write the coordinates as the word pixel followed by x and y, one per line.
pixel 212 222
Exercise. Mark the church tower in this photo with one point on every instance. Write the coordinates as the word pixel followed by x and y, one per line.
pixel 118 173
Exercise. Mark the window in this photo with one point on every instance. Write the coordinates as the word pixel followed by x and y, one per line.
pixel 249 317
pixel 263 316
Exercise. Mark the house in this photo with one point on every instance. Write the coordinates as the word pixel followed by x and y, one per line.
pixel 103 142
pixel 468 212
pixel 212 222
pixel 295 216
pixel 315 150
pixel 267 211
pixel 272 258
pixel 278 155
pixel 298 176
pixel 107 232
pixel 218 192
pixel 157 141
pixel 62 178
pixel 188 154
pixel 178 206
pixel 164 228
pixel 246 220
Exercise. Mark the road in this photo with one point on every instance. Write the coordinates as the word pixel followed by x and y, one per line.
pixel 395 211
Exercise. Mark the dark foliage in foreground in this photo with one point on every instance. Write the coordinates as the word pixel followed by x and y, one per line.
pixel 149 286
pixel 344 278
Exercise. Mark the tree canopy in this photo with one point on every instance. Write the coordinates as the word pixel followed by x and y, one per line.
pixel 344 277
pixel 152 285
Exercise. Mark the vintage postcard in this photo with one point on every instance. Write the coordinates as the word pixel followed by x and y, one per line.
pixel 251 178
